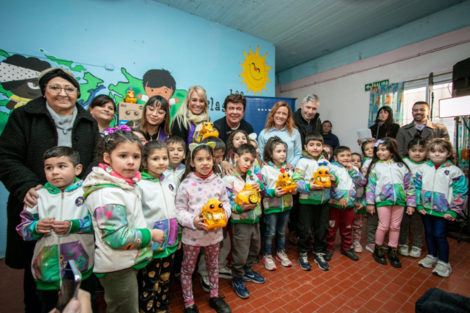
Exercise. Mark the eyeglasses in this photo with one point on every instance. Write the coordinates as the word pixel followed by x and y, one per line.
pixel 54 89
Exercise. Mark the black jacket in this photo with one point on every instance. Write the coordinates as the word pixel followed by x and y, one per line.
pixel 391 132
pixel 225 130
pixel 331 140
pixel 29 133
pixel 301 124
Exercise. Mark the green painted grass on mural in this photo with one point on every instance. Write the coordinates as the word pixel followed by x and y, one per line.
pixel 92 83
pixel 76 68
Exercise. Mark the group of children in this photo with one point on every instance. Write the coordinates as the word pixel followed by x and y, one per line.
pixel 143 207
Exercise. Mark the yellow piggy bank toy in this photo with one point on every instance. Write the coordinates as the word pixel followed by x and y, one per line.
pixel 214 214
pixel 208 130
pixel 322 176
pixel 248 195
pixel 286 182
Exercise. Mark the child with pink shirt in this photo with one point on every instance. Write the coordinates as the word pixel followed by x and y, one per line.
pixel 200 183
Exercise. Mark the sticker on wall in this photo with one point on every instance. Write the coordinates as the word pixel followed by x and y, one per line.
pixel 255 71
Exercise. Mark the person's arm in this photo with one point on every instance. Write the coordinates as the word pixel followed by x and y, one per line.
pixel 270 193
pixel 93 142
pixel 418 181
pixel 337 144
pixel 261 143
pixel 401 142
pixel 29 220
pixel 178 129
pixel 303 185
pixel 226 199
pixel 14 173
pixel 111 217
pixel 229 185
pixel 357 177
pixel 409 190
pixel 444 133
pixel 370 188
pixel 184 217
pixel 297 148
pixel 82 225
pixel 393 132
pixel 459 191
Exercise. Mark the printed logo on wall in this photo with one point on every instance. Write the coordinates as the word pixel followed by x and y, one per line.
pixel 255 71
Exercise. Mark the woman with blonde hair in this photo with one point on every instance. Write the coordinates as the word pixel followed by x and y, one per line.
pixel 187 122
pixel 281 124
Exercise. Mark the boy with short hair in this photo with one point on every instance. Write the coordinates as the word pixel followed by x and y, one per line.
pixel 313 210
pixel 225 244
pixel 342 202
pixel 177 152
pixel 62 226
pixel 245 222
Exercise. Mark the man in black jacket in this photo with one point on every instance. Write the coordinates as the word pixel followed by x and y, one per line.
pixel 234 107
pixel 306 118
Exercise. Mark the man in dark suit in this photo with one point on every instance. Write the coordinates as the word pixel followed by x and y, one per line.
pixel 420 126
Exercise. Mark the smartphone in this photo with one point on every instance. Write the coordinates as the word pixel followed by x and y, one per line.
pixel 71 281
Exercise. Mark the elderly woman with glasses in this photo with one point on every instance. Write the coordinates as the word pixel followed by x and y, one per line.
pixel 54 119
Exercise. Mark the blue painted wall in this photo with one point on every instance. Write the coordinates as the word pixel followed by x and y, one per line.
pixel 135 35
pixel 447 20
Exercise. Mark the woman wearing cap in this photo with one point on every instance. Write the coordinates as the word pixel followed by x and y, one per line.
pixel 54 119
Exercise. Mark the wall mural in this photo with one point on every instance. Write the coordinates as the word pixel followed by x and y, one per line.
pixel 255 71
pixel 19 83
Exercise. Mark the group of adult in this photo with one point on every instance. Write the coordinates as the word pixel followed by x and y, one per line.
pixel 421 126
pixel 56 118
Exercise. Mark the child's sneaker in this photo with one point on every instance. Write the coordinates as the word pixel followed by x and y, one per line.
pixel 442 269
pixel 370 247
pixel 191 309
pixel 303 261
pixel 269 262
pixel 403 250
pixel 428 262
pixel 219 305
pixel 239 287
pixel 225 272
pixel 205 284
pixel 328 255
pixel 357 247
pixel 319 259
pixel 415 252
pixel 281 256
pixel 254 277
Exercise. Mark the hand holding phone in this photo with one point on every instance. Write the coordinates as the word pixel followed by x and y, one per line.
pixel 70 285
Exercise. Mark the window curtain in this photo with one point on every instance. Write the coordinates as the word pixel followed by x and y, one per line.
pixel 391 95
pixel 463 144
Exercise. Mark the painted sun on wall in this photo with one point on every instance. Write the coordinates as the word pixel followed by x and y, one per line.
pixel 255 71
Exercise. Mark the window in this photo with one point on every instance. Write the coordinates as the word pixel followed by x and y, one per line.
pixel 418 93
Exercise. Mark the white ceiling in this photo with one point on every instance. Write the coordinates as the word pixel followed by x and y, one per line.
pixel 303 30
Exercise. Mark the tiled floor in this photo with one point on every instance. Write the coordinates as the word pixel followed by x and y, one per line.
pixel 363 286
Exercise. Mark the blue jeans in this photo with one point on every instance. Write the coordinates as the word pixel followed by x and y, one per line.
pixel 435 229
pixel 276 224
